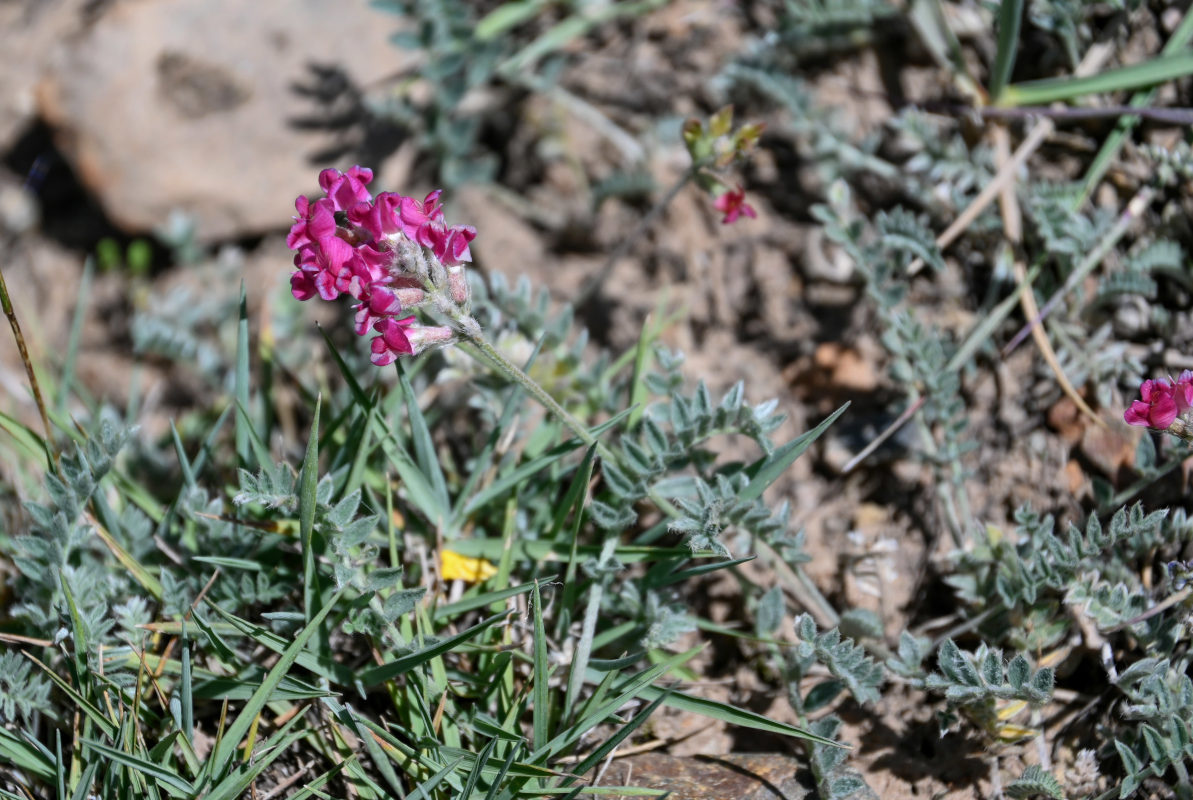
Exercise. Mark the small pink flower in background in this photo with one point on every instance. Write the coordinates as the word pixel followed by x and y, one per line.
pixel 733 205
pixel 1162 402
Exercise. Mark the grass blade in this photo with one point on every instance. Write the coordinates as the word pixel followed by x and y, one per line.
pixel 1137 76
pixel 727 713
pixel 243 423
pixel 239 780
pixel 610 744
pixel 453 610
pixel 222 753
pixel 400 666
pixel 420 439
pixel 540 707
pixel 1010 16
pixel 307 482
pixel 23 756
pixel 766 470
pixel 516 476
pixel 1114 142
pixel 171 781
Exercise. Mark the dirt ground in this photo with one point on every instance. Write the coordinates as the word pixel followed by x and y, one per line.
pixel 765 300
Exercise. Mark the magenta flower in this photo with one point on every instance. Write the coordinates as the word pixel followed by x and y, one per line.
pixel 733 205
pixel 302 284
pixel 450 245
pixel 327 264
pixel 346 189
pixel 415 214
pixel 392 342
pixel 314 221
pixel 379 218
pixel 376 303
pixel 1161 402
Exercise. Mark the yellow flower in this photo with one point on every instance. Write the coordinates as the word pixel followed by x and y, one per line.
pixel 453 566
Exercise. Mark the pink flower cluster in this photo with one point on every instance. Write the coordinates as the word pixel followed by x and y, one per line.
pixel 1161 402
pixel 350 242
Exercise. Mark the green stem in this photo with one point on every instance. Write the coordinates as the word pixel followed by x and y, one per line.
pixel 470 330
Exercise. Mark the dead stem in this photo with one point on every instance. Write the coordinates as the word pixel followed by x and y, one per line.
pixel 6 302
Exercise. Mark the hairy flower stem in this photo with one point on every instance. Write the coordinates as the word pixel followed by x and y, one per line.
pixel 470 331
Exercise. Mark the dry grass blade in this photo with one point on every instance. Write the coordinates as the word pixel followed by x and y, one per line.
pixel 6 303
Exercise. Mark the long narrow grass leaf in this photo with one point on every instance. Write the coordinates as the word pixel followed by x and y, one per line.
pixel 609 745
pixel 540 707
pixel 171 781
pixel 21 755
pixel 331 670
pixel 517 476
pixel 1109 150
pixel 222 753
pixel 453 610
pixel 1010 16
pixel 243 423
pixel 734 716
pixel 238 781
pixel 420 439
pixel 1136 76
pixel 766 470
pixel 399 666
pixel 307 481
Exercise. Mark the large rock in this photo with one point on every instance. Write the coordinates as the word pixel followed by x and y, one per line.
pixel 749 776
pixel 29 29
pixel 200 105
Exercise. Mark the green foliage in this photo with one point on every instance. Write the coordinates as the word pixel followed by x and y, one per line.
pixel 852 671
pixel 977 682
pixel 810 29
pixel 851 668
pixel 180 325
pixel 1027 579
pixel 1159 700
pixel 334 568
pixel 1033 782
pixel 942 171
pixel 454 61
pixel 462 55
pixel 1172 165
pixel 23 692
pixel 835 780
pixel 287 591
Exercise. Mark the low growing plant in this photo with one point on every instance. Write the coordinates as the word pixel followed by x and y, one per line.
pixel 463 599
